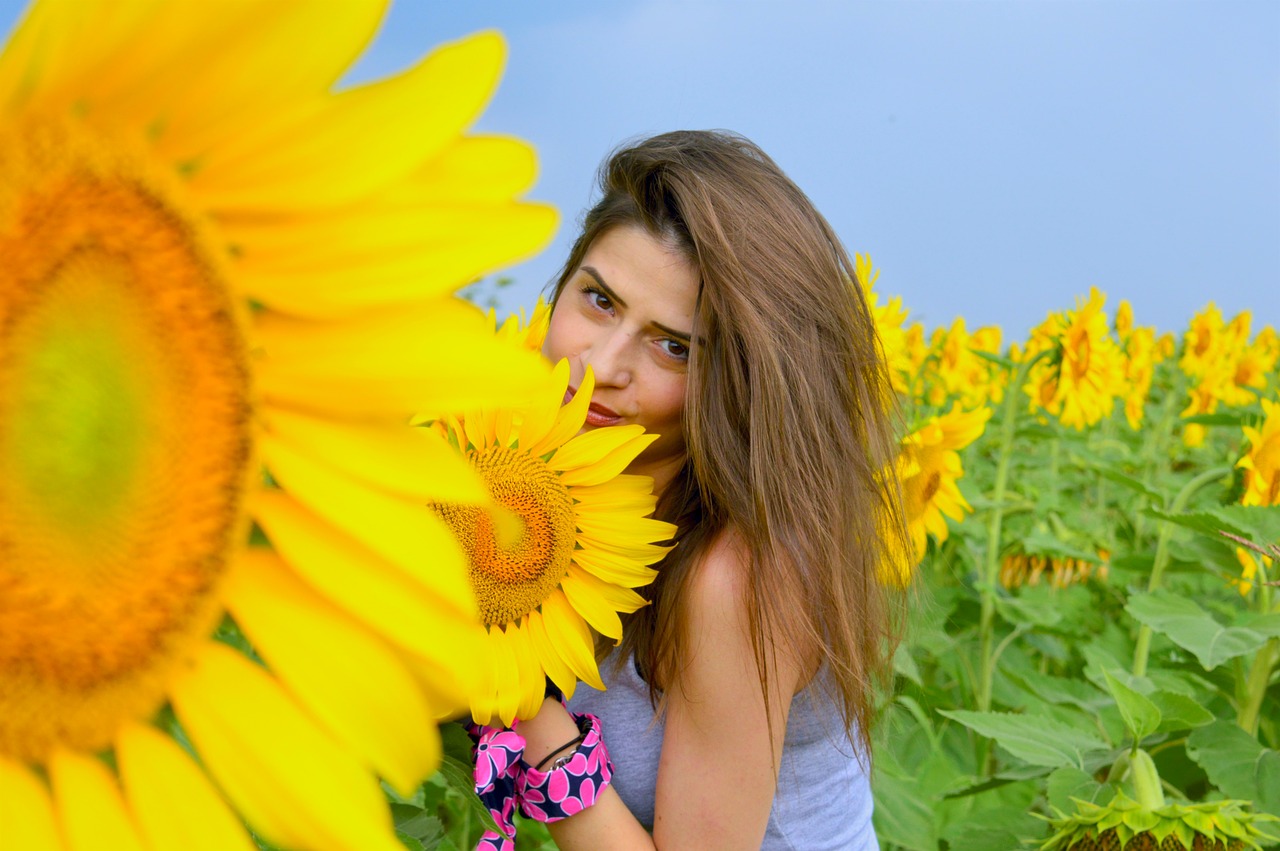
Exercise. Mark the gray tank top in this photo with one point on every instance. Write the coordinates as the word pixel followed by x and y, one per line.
pixel 823 799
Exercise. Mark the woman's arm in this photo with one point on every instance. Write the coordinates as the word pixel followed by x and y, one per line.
pixel 719 763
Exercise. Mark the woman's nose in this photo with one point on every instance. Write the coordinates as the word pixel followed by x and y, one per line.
pixel 610 359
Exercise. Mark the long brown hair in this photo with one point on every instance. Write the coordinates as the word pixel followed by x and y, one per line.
pixel 786 420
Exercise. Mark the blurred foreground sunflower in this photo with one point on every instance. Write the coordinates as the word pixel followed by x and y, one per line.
pixel 212 266
pixel 572 542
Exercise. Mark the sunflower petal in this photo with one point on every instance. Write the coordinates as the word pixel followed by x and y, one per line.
pixel 594 446
pixel 384 598
pixel 569 418
pixel 617 569
pixel 610 465
pixel 552 662
pixel 482 168
pixel 89 805
pixel 172 799
pixel 506 672
pixel 318 653
pixel 599 601
pixel 571 638
pixel 539 416
pixel 327 155
pixel 406 535
pixel 25 809
pixel 292 782
pixel 400 459
pixel 390 362
pixel 402 254
pixel 532 677
pixel 604 540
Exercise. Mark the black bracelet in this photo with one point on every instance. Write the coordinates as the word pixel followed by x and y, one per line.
pixel 572 743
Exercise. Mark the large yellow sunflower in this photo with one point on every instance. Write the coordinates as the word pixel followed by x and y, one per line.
pixel 213 263
pixel 571 540
pixel 929 466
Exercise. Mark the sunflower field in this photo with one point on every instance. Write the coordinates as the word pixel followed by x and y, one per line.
pixel 1092 658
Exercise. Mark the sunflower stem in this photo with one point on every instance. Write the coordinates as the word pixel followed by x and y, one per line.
pixel 1143 649
pixel 1256 686
pixel 991 566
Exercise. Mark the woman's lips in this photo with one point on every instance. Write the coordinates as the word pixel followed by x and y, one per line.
pixel 597 414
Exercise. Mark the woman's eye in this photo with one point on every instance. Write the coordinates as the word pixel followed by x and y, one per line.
pixel 597 298
pixel 675 349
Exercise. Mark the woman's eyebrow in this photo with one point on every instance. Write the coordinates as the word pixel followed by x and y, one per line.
pixel 608 290
pixel 679 335
pixel 683 336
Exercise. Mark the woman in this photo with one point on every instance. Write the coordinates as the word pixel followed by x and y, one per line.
pixel 717 308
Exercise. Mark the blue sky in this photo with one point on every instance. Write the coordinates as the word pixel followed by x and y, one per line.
pixel 996 158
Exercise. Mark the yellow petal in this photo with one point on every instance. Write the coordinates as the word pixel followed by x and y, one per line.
pixel 292 782
pixel 391 362
pixel 25 809
pixel 348 680
pixel 412 462
pixel 406 534
pixel 569 418
pixel 172 799
pixel 617 569
pixel 506 676
pixel 604 540
pixel 593 447
pixel 571 638
pixel 483 699
pixel 377 593
pixel 622 526
pixel 482 168
pixel 538 417
pixel 610 465
pixel 533 683
pixel 89 805
pixel 354 142
pixel 555 666
pixel 599 602
pixel 448 689
pixel 383 256
pixel 233 92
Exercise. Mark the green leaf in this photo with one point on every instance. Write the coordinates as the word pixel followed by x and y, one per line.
pixel 1263 624
pixel 1059 690
pixel 1179 712
pixel 1192 628
pixel 905 666
pixel 1016 611
pixel 901 816
pixel 409 843
pixel 1259 523
pixel 417 823
pixel 455 741
pixel 1070 782
pixel 1141 716
pixel 1031 738
pixel 1223 419
pixel 999 360
pixel 459 776
pixel 1125 480
pixel 1238 765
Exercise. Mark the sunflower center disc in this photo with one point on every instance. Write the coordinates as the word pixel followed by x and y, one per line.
pixel 124 439
pixel 514 570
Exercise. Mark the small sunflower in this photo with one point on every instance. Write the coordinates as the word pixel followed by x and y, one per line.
pixel 889 319
pixel 571 540
pixel 959 372
pixel 929 466
pixel 211 267
pixel 1078 383
pixel 1261 464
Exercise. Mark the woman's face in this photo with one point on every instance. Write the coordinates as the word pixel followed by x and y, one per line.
pixel 627 312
